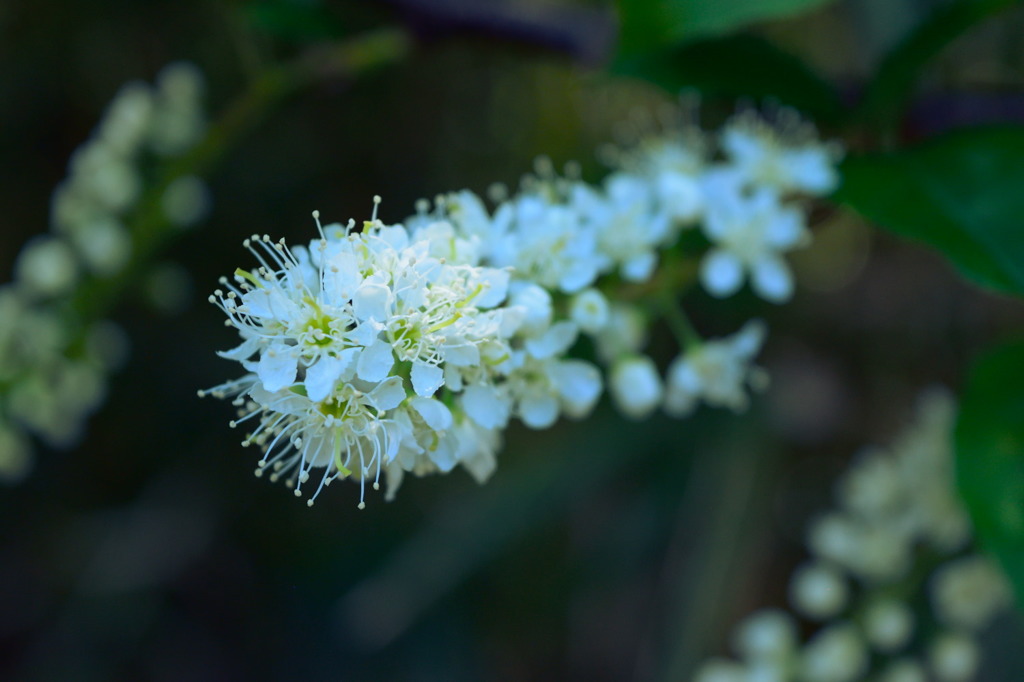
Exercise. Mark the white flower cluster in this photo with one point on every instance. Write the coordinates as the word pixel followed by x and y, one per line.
pixel 898 518
pixel 407 348
pixel 52 366
pixel 389 349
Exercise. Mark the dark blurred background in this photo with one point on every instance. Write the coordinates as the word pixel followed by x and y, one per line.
pixel 605 550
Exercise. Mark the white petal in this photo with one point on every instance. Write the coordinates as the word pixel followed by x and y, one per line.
pixel 435 413
pixel 322 377
pixel 554 341
pixel 462 354
pixel 772 279
pixel 443 455
pixel 372 301
pixel 388 394
pixel 278 367
pixel 375 361
pixel 721 273
pixel 785 229
pixel 244 351
pixel 485 406
pixel 426 378
pixel 341 277
pixel 495 288
pixel 538 412
pixel 579 384
pixel 639 268
pixel 480 464
pixel 812 170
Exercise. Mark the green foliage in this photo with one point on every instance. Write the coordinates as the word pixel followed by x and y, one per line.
pixel 651 24
pixel 894 82
pixel 990 457
pixel 736 66
pixel 961 193
pixel 293 20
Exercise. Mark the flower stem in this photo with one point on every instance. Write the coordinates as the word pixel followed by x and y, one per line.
pixel 679 322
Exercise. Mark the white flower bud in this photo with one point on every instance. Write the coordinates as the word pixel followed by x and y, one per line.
pixel 953 658
pixel 818 591
pixel 589 310
pixel 625 333
pixel 46 267
pixel 767 635
pixel 636 386
pixel 836 654
pixel 969 592
pixel 888 624
pixel 186 201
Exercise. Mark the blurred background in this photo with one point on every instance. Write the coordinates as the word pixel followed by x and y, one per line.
pixel 603 550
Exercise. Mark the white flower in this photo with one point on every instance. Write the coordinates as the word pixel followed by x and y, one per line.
pixel 749 233
pixel 624 334
pixel 835 654
pixel 628 228
pixel 888 624
pixel 46 266
pixel 589 309
pixel 765 156
pixel 717 372
pixel 542 388
pixel 818 591
pixel 767 635
pixel 953 658
pixel 546 243
pixel 635 386
pixel 969 592
pixel 348 343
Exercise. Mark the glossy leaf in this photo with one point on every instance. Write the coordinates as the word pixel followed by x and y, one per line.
pixel 961 193
pixel 900 70
pixel 650 24
pixel 990 457
pixel 736 66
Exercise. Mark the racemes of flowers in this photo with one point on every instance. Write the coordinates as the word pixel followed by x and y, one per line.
pixel 53 358
pixel 408 348
pixel 898 527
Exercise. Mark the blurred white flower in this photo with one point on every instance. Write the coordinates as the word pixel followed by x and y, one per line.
pixel 716 372
pixel 635 386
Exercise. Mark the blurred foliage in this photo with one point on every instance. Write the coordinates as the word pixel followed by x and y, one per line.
pixel 894 82
pixel 736 66
pixel 957 193
pixel 650 24
pixel 990 456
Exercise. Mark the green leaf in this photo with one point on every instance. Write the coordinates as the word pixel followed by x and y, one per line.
pixel 293 20
pixel 990 457
pixel 650 24
pixel 893 83
pixel 962 193
pixel 736 66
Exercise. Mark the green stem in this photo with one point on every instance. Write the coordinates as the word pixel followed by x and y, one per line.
pixel 150 228
pixel 679 322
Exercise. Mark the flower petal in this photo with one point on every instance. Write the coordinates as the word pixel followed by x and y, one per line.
pixel 277 368
pixel 426 378
pixel 375 361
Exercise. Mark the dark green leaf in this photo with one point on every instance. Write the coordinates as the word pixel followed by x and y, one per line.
pixel 990 457
pixel 892 86
pixel 293 20
pixel 650 24
pixel 962 193
pixel 735 66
